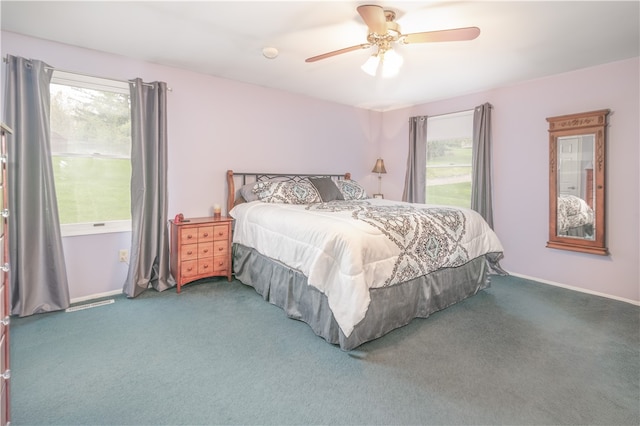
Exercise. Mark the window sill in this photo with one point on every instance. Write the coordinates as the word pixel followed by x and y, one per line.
pixel 77 229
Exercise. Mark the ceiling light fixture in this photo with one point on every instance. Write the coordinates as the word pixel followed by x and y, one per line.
pixel 270 52
pixel 385 61
pixel 384 32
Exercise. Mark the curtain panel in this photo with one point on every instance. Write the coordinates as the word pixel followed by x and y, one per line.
pixel 481 165
pixel 149 261
pixel 416 176
pixel 38 276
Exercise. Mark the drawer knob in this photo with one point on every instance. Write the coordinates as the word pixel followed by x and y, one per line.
pixel 220 248
pixel 205 251
pixel 206 234
pixel 206 266
pixel 189 269
pixel 220 263
pixel 220 233
pixel 189 252
pixel 189 237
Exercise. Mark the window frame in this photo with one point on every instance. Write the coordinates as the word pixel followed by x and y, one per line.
pixel 103 84
pixel 430 119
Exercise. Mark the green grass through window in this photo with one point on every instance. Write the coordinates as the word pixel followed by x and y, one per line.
pixel 103 185
pixel 449 174
pixel 455 194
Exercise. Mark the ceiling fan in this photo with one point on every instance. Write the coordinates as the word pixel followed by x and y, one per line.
pixel 384 31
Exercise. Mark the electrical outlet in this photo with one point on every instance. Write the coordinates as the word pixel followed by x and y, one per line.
pixel 123 255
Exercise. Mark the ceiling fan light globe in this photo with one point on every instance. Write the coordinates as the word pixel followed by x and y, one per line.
pixel 391 63
pixel 393 59
pixel 371 66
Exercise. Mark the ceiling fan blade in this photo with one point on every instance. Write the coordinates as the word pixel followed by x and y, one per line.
pixel 338 52
pixel 373 16
pixel 457 34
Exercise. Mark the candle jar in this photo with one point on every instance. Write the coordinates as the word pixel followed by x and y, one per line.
pixel 216 211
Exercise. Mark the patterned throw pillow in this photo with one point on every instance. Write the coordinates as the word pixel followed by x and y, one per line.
pixel 287 192
pixel 247 191
pixel 351 190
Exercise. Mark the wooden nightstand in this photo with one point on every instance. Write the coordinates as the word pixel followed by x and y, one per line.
pixel 200 248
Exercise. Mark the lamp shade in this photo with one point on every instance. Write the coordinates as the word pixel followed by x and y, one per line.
pixel 379 166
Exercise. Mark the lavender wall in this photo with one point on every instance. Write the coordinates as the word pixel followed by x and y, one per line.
pixel 216 124
pixel 521 172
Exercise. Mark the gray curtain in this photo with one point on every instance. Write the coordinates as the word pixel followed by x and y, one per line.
pixel 481 199
pixel 149 261
pixel 38 274
pixel 416 177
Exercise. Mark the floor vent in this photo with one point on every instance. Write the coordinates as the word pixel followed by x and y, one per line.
pixel 89 305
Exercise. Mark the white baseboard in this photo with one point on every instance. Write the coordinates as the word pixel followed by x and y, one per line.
pixel 96 296
pixel 526 277
pixel 581 290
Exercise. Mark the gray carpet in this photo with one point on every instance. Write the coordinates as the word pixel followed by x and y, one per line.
pixel 518 353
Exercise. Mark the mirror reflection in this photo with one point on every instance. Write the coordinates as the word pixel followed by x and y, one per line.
pixel 575 210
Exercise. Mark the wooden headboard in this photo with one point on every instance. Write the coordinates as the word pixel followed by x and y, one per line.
pixel 242 179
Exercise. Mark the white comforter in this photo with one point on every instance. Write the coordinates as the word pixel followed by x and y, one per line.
pixel 345 248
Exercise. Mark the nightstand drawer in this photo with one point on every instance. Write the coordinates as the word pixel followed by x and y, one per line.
pixel 205 250
pixel 205 266
pixel 189 251
pixel 220 248
pixel 205 233
pixel 221 232
pixel 189 268
pixel 220 265
pixel 189 235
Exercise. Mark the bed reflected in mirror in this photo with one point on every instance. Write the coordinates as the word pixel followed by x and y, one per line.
pixel 576 182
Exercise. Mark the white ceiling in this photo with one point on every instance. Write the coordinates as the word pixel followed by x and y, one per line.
pixel 518 41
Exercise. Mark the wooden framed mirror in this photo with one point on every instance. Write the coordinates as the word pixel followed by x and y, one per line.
pixel 577 147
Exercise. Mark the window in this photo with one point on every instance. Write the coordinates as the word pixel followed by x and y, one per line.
pixel 449 147
pixel 91 153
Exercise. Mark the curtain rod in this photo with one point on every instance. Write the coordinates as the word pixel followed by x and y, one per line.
pixel 48 67
pixel 456 112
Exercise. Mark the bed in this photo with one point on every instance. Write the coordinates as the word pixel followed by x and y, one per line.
pixel 575 217
pixel 353 267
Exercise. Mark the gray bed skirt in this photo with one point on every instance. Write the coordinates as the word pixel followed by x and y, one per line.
pixel 391 307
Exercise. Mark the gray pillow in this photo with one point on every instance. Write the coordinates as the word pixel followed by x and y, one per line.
pixel 326 188
pixel 247 193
